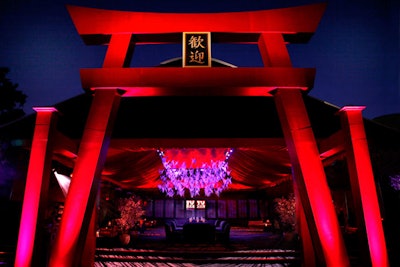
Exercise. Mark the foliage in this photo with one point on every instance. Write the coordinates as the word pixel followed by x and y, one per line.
pixel 11 99
pixel 395 182
pixel 9 111
pixel 286 209
pixel 7 172
pixel 131 210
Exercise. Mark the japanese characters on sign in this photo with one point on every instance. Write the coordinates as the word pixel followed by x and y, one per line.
pixel 196 49
pixel 200 204
pixel 195 204
pixel 190 204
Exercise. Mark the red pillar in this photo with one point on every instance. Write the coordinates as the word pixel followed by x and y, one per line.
pixel 89 250
pixel 36 188
pixel 363 184
pixel 81 197
pixel 309 176
pixel 119 51
pixel 273 50
pixel 310 252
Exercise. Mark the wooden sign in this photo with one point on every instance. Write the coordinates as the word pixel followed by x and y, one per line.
pixel 196 49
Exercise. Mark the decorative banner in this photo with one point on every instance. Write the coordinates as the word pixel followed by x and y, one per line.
pixel 196 49
pixel 195 204
pixel 195 157
pixel 200 204
pixel 190 204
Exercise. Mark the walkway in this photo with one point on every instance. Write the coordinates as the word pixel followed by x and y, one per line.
pixel 246 247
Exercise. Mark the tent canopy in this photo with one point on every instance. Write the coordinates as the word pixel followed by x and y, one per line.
pixel 248 125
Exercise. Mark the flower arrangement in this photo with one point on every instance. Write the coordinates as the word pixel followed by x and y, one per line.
pixel 131 210
pixel 286 209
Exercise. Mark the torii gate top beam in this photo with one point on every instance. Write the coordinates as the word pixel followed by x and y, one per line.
pixel 270 29
pixel 297 21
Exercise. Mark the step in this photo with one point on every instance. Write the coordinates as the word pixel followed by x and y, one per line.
pixel 252 256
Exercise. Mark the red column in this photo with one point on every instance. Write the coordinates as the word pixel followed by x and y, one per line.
pixel 310 254
pixel 273 50
pixel 363 183
pixel 309 176
pixel 80 201
pixel 36 188
pixel 89 251
pixel 119 51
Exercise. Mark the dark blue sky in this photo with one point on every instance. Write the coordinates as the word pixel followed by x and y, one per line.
pixel 355 48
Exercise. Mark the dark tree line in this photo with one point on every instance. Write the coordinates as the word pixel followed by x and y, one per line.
pixel 11 99
pixel 11 108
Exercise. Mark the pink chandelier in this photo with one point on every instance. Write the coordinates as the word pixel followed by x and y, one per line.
pixel 184 172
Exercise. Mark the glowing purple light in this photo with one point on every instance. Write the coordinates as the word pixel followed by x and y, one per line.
pixel 214 177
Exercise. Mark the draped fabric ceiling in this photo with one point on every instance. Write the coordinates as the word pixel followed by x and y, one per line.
pixel 251 168
pixel 248 125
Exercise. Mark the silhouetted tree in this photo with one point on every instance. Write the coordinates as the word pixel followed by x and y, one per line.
pixel 11 104
pixel 11 99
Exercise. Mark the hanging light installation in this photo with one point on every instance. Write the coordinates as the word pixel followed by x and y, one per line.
pixel 211 173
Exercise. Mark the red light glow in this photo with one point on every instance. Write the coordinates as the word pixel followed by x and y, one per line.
pixel 38 163
pixel 360 170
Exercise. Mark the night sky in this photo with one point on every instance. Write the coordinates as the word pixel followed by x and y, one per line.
pixel 355 49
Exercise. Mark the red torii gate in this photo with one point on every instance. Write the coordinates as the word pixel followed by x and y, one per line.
pixel 271 30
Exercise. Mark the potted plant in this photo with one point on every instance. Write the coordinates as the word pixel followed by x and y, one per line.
pixel 131 211
pixel 285 207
